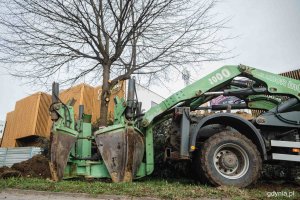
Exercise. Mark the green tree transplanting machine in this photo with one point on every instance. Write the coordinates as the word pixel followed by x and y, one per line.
pixel 225 148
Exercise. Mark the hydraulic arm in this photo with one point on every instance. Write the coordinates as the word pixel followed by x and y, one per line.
pixel 200 92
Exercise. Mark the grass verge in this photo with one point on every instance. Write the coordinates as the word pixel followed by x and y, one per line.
pixel 166 189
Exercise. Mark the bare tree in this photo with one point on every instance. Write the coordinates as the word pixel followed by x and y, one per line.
pixel 106 40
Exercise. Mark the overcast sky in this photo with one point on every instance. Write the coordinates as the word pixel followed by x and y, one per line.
pixel 269 39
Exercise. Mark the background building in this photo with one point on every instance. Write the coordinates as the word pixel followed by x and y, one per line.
pixel 147 97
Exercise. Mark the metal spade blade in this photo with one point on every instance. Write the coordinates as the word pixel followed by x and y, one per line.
pixel 122 151
pixel 60 150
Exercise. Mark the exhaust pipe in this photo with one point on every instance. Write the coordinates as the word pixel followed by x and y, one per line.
pixel 130 99
pixel 55 100
pixel 55 92
pixel 81 111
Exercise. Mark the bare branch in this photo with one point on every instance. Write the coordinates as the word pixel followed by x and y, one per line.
pixel 107 40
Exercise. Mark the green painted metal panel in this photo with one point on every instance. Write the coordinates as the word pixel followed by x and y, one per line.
pixel 149 150
pixel 141 171
pixel 84 145
pixel 99 171
pixel 277 84
pixel 88 169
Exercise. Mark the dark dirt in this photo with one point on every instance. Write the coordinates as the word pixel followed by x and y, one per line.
pixel 37 166
pixel 3 169
pixel 6 172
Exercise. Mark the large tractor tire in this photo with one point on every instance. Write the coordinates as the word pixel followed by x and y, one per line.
pixel 228 158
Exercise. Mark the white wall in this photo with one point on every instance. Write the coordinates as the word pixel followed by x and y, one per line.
pixel 2 123
pixel 147 97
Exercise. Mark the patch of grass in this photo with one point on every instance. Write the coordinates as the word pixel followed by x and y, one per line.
pixel 166 189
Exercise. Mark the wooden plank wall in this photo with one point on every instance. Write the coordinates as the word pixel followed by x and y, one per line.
pixel 292 74
pixel 82 94
pixel 7 140
pixel 88 96
pixel 30 117
pixel 43 120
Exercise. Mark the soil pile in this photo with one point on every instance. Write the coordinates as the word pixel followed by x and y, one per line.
pixel 6 172
pixel 37 166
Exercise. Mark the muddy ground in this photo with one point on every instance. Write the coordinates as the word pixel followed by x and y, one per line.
pixel 36 167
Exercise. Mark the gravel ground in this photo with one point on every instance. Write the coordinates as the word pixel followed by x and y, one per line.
pixel 15 194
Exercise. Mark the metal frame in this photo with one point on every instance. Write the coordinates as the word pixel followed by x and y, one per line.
pixel 285 157
pixel 289 144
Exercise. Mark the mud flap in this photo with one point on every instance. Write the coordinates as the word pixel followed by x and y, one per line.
pixel 61 146
pixel 122 151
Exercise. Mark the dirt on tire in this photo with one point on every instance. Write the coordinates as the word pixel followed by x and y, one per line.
pixel 203 160
pixel 36 167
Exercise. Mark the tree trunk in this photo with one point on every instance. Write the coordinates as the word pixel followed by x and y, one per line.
pixel 105 96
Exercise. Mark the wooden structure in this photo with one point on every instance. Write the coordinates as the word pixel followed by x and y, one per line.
pixel 89 96
pixel 31 120
pixel 82 95
pixel 295 74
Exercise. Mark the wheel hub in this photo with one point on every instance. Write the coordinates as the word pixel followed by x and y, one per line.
pixel 229 160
